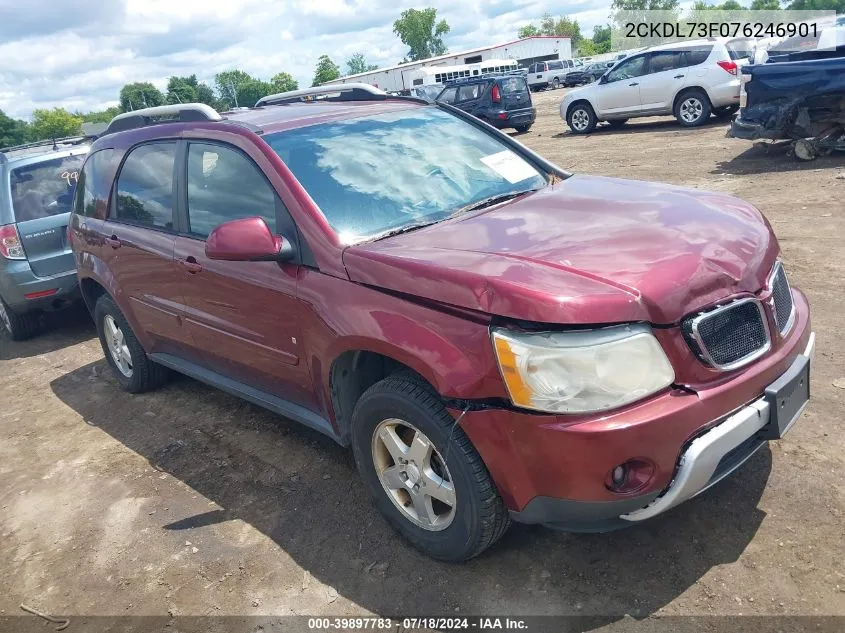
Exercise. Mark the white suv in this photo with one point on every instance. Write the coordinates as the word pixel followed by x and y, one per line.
pixel 690 80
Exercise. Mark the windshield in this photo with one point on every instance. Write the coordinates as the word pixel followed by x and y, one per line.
pixel 378 173
pixel 46 188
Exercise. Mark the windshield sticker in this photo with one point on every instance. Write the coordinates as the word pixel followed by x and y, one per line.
pixel 70 177
pixel 509 166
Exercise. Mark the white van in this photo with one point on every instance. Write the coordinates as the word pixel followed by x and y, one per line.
pixel 544 74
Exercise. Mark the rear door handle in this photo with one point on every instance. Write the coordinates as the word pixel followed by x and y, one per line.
pixel 113 241
pixel 679 76
pixel 190 264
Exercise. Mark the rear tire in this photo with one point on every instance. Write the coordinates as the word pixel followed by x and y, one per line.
pixel 555 83
pixel 129 363
pixel 725 112
pixel 692 108
pixel 403 407
pixel 17 327
pixel 581 119
pixel 522 129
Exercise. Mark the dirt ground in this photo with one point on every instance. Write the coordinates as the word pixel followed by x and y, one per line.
pixel 189 501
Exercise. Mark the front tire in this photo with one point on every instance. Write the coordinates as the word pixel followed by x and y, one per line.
pixel 17 327
pixel 692 108
pixel 581 119
pixel 134 371
pixel 422 471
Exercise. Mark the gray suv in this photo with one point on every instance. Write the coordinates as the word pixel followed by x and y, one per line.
pixel 37 272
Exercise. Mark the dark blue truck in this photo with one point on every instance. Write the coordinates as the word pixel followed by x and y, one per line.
pixel 802 101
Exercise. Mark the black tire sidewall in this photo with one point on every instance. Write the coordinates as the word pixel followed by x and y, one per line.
pixel 459 540
pixel 106 306
pixel 706 108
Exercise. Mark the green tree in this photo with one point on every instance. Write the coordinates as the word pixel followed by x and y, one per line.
pixel 358 64
pixel 251 91
pixel 12 131
pixel 55 123
pixel 283 82
pixel 765 5
pixel 98 116
pixel 228 85
pixel 601 39
pixel 645 5
pixel 326 70
pixel 561 27
pixel 529 30
pixel 182 89
pixel 817 5
pixel 138 95
pixel 205 94
pixel 421 33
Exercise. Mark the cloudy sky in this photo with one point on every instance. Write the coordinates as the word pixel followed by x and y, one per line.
pixel 78 53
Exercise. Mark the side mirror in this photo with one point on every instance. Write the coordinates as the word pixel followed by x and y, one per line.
pixel 247 240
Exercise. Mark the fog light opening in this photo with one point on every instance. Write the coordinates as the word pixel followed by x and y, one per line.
pixel 630 476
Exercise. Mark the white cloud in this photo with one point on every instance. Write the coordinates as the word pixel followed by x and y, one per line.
pixel 79 56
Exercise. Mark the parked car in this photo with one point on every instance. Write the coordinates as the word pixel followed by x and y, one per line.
pixel 587 74
pixel 548 74
pixel 690 80
pixel 36 265
pixel 503 101
pixel 428 92
pixel 496 339
pixel 802 101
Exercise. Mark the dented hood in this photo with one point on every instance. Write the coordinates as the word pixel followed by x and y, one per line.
pixel 587 250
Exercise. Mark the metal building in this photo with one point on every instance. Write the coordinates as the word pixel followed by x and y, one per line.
pixel 526 51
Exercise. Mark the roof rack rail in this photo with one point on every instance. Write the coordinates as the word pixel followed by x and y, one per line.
pixel 337 92
pixel 55 142
pixel 504 73
pixel 148 116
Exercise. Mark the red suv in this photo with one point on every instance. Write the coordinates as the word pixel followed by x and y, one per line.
pixel 495 338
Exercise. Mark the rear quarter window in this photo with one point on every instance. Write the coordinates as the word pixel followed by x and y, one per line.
pixel 697 55
pixel 46 188
pixel 740 49
pixel 555 65
pixel 513 84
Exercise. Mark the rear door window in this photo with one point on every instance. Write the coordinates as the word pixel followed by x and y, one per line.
pixel 145 186
pixel 661 61
pixel 469 92
pixel 225 185
pixel 44 189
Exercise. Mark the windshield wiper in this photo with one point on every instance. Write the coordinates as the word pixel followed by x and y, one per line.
pixel 489 202
pixel 401 229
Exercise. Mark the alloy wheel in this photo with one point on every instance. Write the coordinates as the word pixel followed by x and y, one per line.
pixel 414 474
pixel 116 343
pixel 691 109
pixel 580 119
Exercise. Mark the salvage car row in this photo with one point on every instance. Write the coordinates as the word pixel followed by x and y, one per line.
pixel 495 338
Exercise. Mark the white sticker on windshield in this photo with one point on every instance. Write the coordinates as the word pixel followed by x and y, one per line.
pixel 509 166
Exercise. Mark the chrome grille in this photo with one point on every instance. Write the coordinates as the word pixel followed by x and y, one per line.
pixel 728 336
pixel 781 298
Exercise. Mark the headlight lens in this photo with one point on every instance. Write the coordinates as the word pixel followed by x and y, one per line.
pixel 580 372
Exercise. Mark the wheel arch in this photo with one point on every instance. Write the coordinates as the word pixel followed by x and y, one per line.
pixel 579 102
pixel 686 90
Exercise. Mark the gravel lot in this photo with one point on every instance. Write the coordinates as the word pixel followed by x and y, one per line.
pixel 188 501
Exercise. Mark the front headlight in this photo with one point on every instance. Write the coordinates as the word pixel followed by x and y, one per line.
pixel 580 372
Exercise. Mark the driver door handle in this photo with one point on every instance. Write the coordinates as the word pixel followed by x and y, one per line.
pixel 679 77
pixel 190 264
pixel 634 84
pixel 113 241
